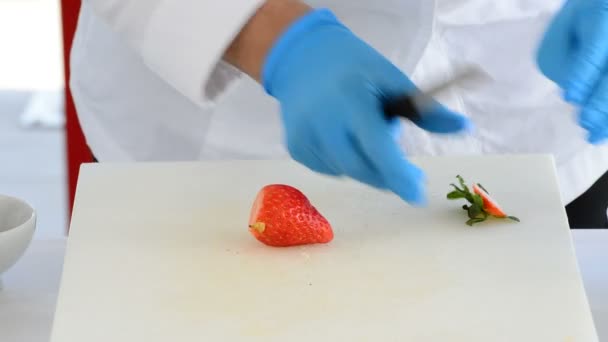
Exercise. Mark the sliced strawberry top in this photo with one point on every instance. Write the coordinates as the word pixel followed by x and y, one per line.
pixel 490 206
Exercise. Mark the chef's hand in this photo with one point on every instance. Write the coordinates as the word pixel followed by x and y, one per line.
pixel 331 86
pixel 574 54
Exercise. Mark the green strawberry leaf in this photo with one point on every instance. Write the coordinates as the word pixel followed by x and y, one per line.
pixel 462 183
pixel 514 218
pixel 482 188
pixel 457 188
pixel 464 190
pixel 455 195
pixel 472 221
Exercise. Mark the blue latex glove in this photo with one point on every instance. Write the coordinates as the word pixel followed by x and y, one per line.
pixel 330 85
pixel 574 54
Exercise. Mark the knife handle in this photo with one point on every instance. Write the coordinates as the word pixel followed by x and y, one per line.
pixel 401 106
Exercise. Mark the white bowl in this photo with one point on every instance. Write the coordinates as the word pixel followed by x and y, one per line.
pixel 17 226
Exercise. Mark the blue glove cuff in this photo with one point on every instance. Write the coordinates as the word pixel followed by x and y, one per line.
pixel 308 22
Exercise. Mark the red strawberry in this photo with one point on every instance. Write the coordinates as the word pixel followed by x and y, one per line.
pixel 489 205
pixel 282 216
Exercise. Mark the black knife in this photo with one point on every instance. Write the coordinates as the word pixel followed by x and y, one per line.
pixel 411 106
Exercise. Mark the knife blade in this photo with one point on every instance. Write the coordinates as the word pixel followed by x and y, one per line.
pixel 411 106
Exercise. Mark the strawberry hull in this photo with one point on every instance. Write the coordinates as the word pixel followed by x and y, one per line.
pixel 481 205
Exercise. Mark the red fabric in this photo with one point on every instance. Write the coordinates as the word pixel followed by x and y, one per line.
pixel 76 147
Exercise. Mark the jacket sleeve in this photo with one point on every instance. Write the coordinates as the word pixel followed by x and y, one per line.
pixel 182 41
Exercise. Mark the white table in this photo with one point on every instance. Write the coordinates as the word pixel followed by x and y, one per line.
pixel 27 302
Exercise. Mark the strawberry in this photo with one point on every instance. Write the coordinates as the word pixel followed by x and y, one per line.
pixel 481 205
pixel 282 216
pixel 489 205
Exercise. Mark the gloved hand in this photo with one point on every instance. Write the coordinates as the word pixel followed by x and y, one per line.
pixel 574 54
pixel 331 86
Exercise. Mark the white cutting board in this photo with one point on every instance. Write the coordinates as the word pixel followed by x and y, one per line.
pixel 161 252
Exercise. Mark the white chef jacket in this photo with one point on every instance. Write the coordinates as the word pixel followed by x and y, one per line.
pixel 149 84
